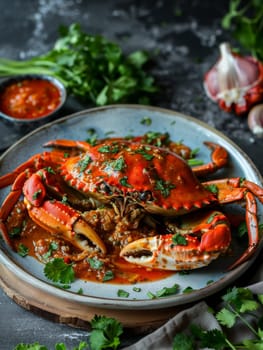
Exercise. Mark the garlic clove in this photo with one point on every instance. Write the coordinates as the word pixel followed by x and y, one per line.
pixel 235 82
pixel 234 71
pixel 255 120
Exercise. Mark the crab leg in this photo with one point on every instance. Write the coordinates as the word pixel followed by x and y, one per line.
pixel 36 162
pixel 203 243
pixel 219 159
pixel 235 189
pixel 252 226
pixel 63 143
pixel 9 203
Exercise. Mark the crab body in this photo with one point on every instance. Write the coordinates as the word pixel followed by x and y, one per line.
pixel 155 178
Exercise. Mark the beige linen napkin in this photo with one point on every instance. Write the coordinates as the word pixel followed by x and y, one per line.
pixel 162 338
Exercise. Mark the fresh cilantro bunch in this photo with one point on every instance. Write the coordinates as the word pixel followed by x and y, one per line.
pixel 91 68
pixel 245 21
pixel 238 304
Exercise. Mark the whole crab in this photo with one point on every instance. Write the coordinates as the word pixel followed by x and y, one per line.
pixel 117 173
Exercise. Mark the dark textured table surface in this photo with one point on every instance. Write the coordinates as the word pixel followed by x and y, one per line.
pixel 186 35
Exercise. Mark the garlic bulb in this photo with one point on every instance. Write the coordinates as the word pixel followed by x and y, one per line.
pixel 235 82
pixel 255 120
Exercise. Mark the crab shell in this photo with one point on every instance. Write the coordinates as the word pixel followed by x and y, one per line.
pixel 155 178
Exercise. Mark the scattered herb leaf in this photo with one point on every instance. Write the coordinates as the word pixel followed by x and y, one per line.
pixel 57 270
pixel 122 293
pixel 95 263
pixel 124 182
pixel 179 239
pixel 146 121
pixel 164 187
pixel 109 275
pixel 22 250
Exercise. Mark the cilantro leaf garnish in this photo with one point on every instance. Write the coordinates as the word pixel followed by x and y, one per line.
pixel 109 149
pixel 15 232
pixel 92 139
pixel 124 182
pixel 166 291
pixel 117 164
pixel 57 270
pixel 156 138
pixel 52 247
pixel 123 293
pixel 179 239
pixel 164 187
pixel 212 188
pixel 95 263
pixel 145 154
pixel 37 194
pixel 105 333
pixel 146 121
pixel 84 162
pixel 22 250
pixel 109 275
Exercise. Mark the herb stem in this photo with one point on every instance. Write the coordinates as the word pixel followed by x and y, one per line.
pixel 231 346
pixel 243 320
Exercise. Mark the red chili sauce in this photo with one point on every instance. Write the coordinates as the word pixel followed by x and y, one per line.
pixel 29 99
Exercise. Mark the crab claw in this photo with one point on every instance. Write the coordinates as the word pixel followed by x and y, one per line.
pixel 58 218
pixel 62 220
pixel 162 252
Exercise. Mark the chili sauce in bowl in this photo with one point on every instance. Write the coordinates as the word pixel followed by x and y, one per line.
pixel 31 98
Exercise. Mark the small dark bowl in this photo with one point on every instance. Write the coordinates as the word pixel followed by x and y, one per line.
pixel 19 122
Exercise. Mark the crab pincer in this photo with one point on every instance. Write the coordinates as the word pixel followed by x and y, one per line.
pixel 201 241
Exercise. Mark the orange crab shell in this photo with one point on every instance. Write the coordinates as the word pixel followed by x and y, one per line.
pixel 156 178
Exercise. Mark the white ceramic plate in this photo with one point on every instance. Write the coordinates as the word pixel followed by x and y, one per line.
pixel 123 120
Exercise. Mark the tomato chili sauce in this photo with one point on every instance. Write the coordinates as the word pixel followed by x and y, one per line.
pixel 29 98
